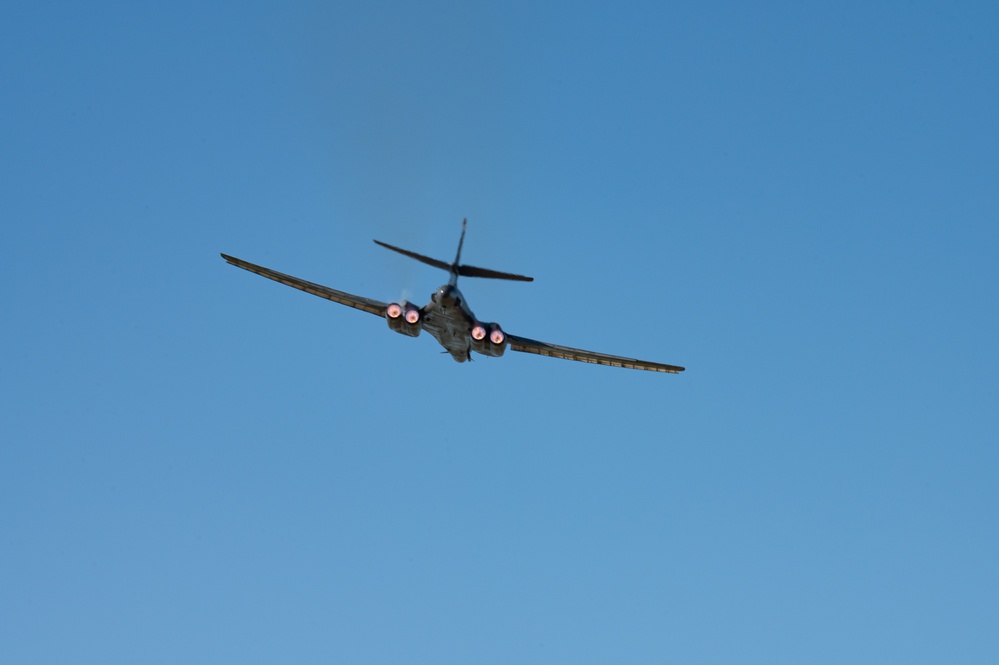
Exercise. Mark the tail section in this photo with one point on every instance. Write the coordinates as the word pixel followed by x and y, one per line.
pixel 413 255
pixel 456 268
pixel 461 241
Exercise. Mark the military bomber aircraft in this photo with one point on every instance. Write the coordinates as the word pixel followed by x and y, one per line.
pixel 448 317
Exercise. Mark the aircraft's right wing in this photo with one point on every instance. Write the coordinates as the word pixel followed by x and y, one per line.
pixel 555 351
pixel 357 302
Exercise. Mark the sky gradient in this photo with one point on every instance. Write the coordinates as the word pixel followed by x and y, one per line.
pixel 796 201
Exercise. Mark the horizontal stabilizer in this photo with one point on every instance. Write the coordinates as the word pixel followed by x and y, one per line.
pixel 464 271
pixel 419 257
pixel 472 271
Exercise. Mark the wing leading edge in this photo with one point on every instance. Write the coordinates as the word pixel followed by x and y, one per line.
pixel 369 305
pixel 525 345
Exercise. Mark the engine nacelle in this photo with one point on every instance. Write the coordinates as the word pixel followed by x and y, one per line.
pixel 488 339
pixel 405 319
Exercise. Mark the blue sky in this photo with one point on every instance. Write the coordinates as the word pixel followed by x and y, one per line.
pixel 796 201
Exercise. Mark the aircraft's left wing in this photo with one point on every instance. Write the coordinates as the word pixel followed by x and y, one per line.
pixel 369 305
pixel 555 351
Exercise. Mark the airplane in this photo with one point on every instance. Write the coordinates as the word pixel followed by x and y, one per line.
pixel 448 318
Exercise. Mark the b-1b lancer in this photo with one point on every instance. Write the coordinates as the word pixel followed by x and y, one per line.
pixel 449 319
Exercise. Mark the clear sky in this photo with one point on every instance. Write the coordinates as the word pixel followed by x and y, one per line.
pixel 797 201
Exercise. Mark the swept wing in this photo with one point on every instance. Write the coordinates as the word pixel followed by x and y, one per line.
pixel 568 353
pixel 369 305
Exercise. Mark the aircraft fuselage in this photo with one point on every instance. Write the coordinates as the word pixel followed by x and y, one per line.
pixel 450 320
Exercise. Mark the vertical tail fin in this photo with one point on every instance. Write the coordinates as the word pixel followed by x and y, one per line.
pixel 457 257
pixel 461 241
